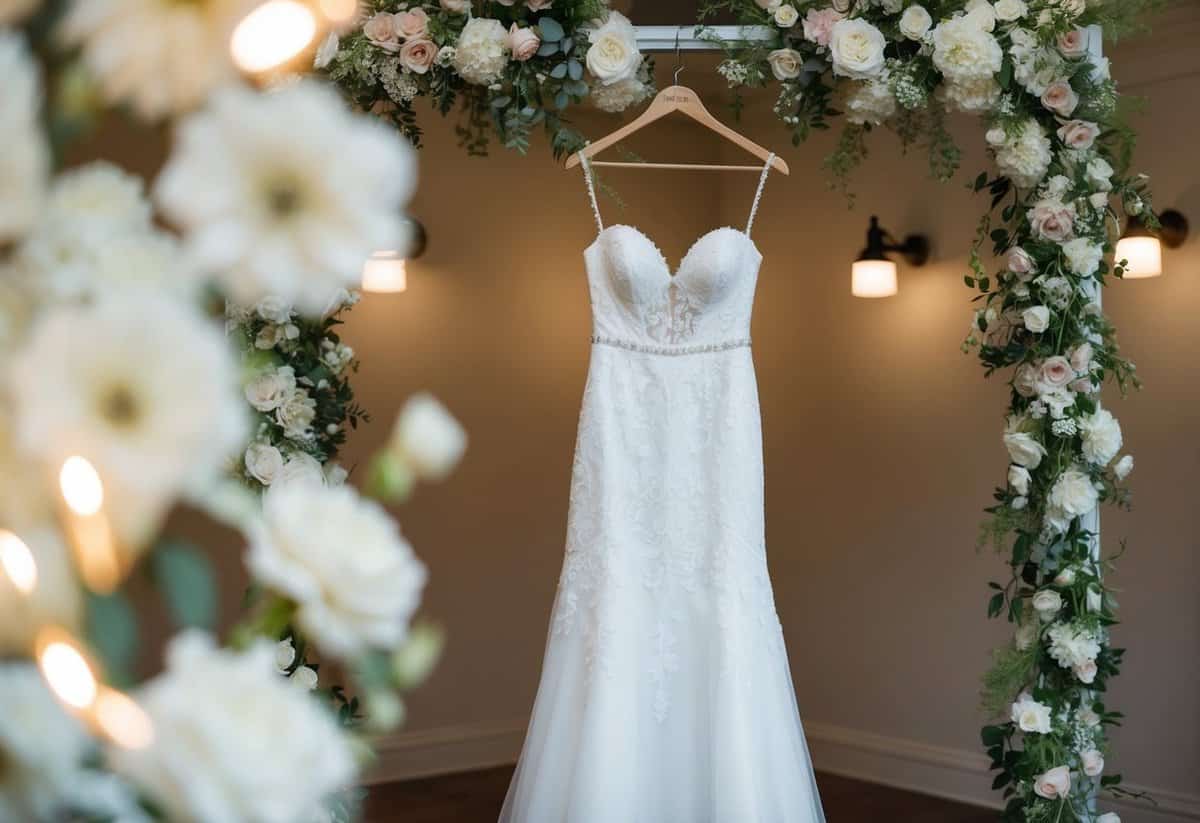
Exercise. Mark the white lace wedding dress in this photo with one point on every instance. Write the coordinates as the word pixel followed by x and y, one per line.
pixel 665 694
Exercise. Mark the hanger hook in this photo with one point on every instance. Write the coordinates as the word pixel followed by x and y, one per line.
pixel 678 57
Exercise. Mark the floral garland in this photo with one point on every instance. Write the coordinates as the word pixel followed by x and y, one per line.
pixel 523 65
pixel 1052 128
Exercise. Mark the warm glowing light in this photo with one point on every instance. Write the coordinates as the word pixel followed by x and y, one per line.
pixel 385 271
pixel 873 278
pixel 272 34
pixel 122 720
pixel 81 486
pixel 66 670
pixel 17 561
pixel 1144 255
pixel 339 11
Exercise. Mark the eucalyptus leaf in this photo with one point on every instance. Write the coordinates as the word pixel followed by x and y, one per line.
pixel 559 71
pixel 552 30
pixel 567 45
pixel 501 102
pixel 576 87
pixel 547 49
pixel 187 582
pixel 112 632
pixel 562 99
pixel 575 69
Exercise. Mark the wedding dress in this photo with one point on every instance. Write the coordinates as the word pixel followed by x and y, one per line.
pixel 665 694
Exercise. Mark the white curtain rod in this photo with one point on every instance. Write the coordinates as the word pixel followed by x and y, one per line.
pixel 668 38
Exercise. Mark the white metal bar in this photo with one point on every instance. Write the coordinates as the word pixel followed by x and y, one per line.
pixel 698 38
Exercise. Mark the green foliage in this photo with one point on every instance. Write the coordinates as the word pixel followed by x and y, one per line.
pixel 186 579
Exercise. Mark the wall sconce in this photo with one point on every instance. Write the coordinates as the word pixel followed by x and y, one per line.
pixel 387 271
pixel 1143 247
pixel 272 34
pixel 873 274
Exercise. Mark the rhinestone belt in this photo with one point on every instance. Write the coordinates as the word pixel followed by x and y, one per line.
pixel 671 350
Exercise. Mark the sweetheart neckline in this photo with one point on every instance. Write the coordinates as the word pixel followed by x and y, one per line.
pixel 673 273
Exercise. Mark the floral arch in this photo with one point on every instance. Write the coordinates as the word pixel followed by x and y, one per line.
pixel 1032 71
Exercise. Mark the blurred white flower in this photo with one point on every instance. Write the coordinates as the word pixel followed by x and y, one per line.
pixel 285 655
pixel 341 558
pixel 141 385
pixel 25 159
pixel 162 57
pixel 1124 467
pixel 231 738
pixel 41 747
pixel 427 438
pixel 285 193
pixel 301 467
pixel 620 95
pixel 871 101
pixel 304 677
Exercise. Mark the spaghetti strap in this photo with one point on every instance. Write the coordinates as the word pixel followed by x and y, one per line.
pixel 591 187
pixel 762 181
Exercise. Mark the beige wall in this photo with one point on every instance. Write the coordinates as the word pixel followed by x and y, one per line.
pixel 882 442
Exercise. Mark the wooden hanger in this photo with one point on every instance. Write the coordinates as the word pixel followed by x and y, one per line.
pixel 686 101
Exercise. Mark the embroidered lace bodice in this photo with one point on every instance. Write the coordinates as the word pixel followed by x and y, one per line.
pixel 666 695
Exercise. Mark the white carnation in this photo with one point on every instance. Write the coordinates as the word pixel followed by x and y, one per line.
pixel 1083 256
pixel 480 55
pixel 871 101
pixel 1101 437
pixel 231 737
pixel 1023 157
pixel 1072 645
pixel 978 96
pixel 617 97
pixel 962 51
pixel 355 580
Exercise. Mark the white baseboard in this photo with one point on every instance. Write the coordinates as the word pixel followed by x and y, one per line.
pixel 941 771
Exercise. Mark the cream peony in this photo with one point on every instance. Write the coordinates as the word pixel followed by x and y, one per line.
pixel 963 51
pixel 856 49
pixel 427 438
pixel 871 101
pixel 25 159
pixel 1071 646
pixel 785 63
pixel 480 53
pixel 296 415
pixel 1072 495
pixel 613 55
pixel 162 57
pixel 915 23
pixel 1101 436
pixel 1031 716
pixel 231 737
pixel 1053 784
pixel 43 748
pixel 1023 156
pixel 972 97
pixel 94 382
pixel 285 193
pixel 341 558
pixel 1083 256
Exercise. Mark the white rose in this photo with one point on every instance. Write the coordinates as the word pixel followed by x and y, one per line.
pixel 1036 319
pixel 1018 478
pixel 1101 437
pixel 1047 603
pixel 786 16
pixel 296 415
pixel 1031 716
pixel 274 309
pixel 613 55
pixel 982 14
pixel 1024 449
pixel 1095 600
pixel 856 49
pixel 1124 467
pixel 785 63
pixel 263 462
pixel 1083 256
pixel 341 558
pixel 915 23
pixel 1053 784
pixel 213 759
pixel 1010 10
pixel 428 438
pixel 270 390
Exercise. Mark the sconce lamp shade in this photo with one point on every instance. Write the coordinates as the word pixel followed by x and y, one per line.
pixel 1143 256
pixel 873 278
pixel 385 272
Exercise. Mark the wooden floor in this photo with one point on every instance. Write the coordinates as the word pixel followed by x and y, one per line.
pixel 476 797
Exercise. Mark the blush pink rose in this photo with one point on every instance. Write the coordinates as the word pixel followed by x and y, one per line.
pixel 414 23
pixel 1073 44
pixel 1025 382
pixel 1081 358
pixel 1082 386
pixel 1056 372
pixel 1060 98
pixel 538 5
pixel 1078 134
pixel 1019 261
pixel 380 30
pixel 818 25
pixel 1053 784
pixel 418 54
pixel 1052 220
pixel 523 43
